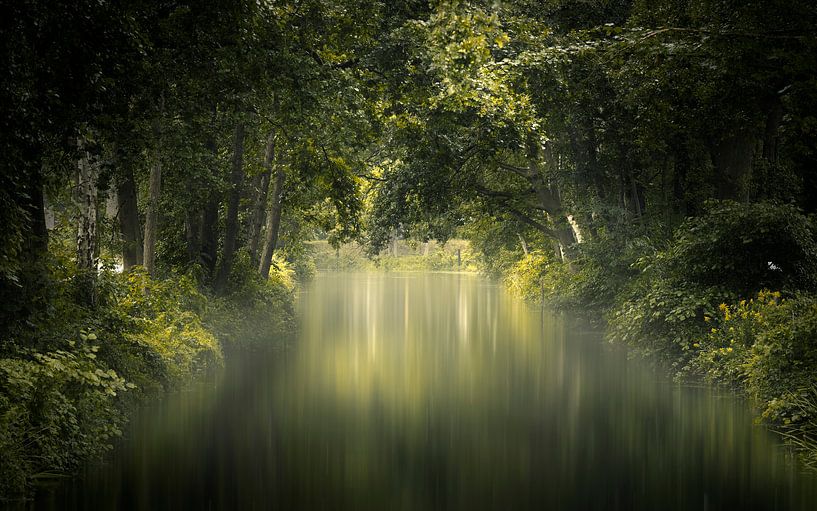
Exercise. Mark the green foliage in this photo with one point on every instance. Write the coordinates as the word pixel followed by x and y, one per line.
pixel 438 260
pixel 63 402
pixel 663 319
pixel 803 433
pixel 57 408
pixel 254 312
pixel 532 277
pixel 767 345
pixel 712 259
pixel 167 329
pixel 346 257
pixel 410 256
pixel 746 247
pixel 588 285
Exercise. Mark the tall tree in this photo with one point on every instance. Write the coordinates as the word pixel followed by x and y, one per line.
pixel 86 198
pixel 152 214
pixel 234 197
pixel 129 223
pixel 261 190
pixel 273 224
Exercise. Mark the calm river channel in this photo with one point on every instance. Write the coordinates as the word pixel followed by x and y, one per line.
pixel 439 391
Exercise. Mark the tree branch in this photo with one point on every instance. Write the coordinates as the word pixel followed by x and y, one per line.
pixel 753 35
pixel 519 171
pixel 533 223
pixel 503 202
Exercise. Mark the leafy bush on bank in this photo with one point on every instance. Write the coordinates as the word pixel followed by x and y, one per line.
pixel 253 311
pixel 730 298
pixel 767 345
pixel 57 408
pixel 68 384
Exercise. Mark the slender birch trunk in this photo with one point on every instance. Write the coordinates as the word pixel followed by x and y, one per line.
pixel 86 197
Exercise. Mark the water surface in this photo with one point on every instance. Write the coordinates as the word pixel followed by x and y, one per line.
pixel 439 391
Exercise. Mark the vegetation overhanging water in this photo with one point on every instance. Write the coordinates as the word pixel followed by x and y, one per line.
pixel 440 391
pixel 171 173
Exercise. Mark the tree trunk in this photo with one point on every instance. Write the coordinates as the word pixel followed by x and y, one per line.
pixel 154 193
pixel 233 202
pixel 209 234
pixel 209 220
pixel 635 197
pixel 523 243
pixel 192 234
pixel 549 200
pixel 770 134
pixel 152 216
pixel 262 189
pixel 733 160
pixel 129 225
pixel 273 223
pixel 86 197
pixel 35 235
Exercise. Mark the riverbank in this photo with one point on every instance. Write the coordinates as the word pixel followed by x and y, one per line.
pixel 393 377
pixel 729 298
pixel 70 381
pixel 402 255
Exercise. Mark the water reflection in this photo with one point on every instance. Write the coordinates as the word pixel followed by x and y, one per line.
pixel 440 392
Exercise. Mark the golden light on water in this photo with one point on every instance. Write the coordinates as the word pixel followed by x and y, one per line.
pixel 441 391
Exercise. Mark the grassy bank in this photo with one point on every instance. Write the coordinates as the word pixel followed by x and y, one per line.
pixel 729 298
pixel 69 381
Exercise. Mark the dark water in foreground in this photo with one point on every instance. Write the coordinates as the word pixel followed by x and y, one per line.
pixel 439 392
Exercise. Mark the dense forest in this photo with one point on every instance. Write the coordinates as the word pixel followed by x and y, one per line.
pixel 652 165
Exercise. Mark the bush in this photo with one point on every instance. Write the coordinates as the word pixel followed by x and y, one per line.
pixel 56 409
pixel 745 248
pixel 154 333
pixel 61 401
pixel 802 434
pixel 767 345
pixel 588 285
pixel 732 251
pixel 664 319
pixel 539 276
pixel 254 311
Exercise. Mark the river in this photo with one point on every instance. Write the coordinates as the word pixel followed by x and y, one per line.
pixel 439 391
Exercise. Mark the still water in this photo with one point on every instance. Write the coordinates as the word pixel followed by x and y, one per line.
pixel 439 391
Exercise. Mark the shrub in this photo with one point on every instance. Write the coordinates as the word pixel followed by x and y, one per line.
pixel 664 319
pixel 767 345
pixel 589 284
pixel 56 409
pixel 61 401
pixel 732 251
pixel 746 247
pixel 538 276
pixel 156 338
pixel 254 311
pixel 802 434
